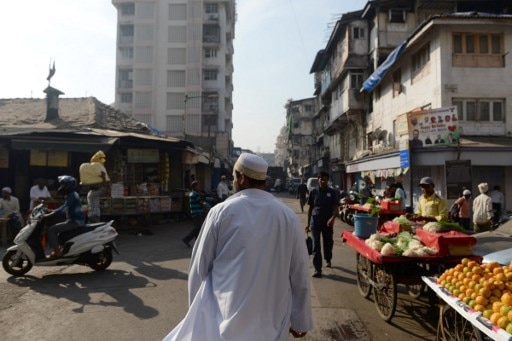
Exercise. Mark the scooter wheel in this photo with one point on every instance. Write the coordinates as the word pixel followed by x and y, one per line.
pixel 16 264
pixel 101 261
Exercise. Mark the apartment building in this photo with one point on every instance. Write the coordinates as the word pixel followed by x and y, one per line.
pixel 174 69
pixel 419 56
pixel 299 118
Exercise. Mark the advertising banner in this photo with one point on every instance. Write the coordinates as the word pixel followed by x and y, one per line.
pixel 433 127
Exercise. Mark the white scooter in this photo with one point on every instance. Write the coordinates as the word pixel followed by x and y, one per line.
pixel 89 245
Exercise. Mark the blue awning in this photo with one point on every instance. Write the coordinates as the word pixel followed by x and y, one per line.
pixel 383 68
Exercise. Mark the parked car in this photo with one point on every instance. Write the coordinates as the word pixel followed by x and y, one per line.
pixel 312 183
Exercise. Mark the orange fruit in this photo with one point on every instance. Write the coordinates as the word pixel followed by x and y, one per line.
pixel 493 265
pixel 505 309
pixel 480 307
pixel 497 293
pixel 487 313
pixel 497 270
pixel 465 261
pixel 496 306
pixel 499 284
pixel 509 315
pixel 502 322
pixel 485 292
pixel 506 298
pixel 494 317
pixel 481 300
pixel 500 277
pixel 509 328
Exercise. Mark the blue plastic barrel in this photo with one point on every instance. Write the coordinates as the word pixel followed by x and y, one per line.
pixel 365 225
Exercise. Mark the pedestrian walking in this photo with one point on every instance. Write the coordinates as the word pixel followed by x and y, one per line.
pixel 222 189
pixel 463 206
pixel 248 277
pixel 302 192
pixel 498 202
pixel 323 209
pixel 482 210
pixel 197 211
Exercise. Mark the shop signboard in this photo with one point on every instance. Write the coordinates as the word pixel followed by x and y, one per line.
pixel 433 127
pixel 404 153
pixel 458 177
pixel 136 155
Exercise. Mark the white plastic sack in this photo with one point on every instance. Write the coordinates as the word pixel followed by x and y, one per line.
pixel 90 173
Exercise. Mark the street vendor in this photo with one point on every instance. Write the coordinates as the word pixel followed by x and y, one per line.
pixel 431 207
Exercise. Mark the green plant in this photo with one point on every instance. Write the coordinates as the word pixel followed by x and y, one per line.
pixel 374 209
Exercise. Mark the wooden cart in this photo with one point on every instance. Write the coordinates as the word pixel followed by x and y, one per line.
pixel 384 273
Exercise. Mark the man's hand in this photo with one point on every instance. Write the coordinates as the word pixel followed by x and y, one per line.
pixel 297 334
pixel 307 229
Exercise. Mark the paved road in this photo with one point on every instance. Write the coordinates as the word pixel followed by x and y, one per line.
pixel 144 294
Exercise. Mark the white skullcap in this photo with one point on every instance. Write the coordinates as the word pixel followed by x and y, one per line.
pixel 483 187
pixel 7 189
pixel 252 166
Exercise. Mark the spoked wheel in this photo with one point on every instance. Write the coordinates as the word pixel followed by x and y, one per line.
pixel 364 274
pixel 102 260
pixel 454 327
pixel 415 290
pixel 350 218
pixel 384 292
pixel 17 264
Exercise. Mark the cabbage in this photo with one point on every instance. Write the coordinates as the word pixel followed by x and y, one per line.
pixel 387 250
pixel 432 227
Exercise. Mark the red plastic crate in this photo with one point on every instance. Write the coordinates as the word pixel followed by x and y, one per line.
pixel 450 243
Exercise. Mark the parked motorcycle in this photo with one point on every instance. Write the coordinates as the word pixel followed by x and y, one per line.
pixel 89 245
pixel 347 213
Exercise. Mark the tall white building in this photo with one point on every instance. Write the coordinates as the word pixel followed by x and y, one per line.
pixel 174 68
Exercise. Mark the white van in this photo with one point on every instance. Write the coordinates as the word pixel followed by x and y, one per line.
pixel 312 183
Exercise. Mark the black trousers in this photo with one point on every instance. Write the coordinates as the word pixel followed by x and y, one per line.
pixel 198 223
pixel 326 233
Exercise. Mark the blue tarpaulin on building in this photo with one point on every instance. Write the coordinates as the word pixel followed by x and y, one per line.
pixel 383 68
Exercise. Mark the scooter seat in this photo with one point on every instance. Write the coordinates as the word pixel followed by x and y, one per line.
pixel 65 236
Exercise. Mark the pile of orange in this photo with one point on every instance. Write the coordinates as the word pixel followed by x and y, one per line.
pixel 484 287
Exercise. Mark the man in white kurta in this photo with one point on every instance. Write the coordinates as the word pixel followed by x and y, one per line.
pixel 249 277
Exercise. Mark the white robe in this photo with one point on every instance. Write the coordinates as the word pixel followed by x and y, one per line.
pixel 249 275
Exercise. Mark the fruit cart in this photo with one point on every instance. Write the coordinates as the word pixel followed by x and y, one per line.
pixel 384 273
pixel 458 321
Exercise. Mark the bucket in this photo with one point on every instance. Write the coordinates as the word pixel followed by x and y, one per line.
pixel 365 225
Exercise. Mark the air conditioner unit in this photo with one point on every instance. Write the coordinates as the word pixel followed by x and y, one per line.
pixel 214 16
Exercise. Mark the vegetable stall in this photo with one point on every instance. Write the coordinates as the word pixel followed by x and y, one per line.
pixel 401 253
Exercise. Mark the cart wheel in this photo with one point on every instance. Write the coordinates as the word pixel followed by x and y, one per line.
pixel 384 292
pixel 415 290
pixel 454 327
pixel 364 274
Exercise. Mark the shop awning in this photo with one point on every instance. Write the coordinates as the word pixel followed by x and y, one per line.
pixel 70 145
pixel 385 162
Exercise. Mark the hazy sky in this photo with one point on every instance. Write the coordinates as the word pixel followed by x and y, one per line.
pixel 275 44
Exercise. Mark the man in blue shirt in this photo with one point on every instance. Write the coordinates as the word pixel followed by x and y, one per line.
pixel 197 208
pixel 72 208
pixel 323 209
